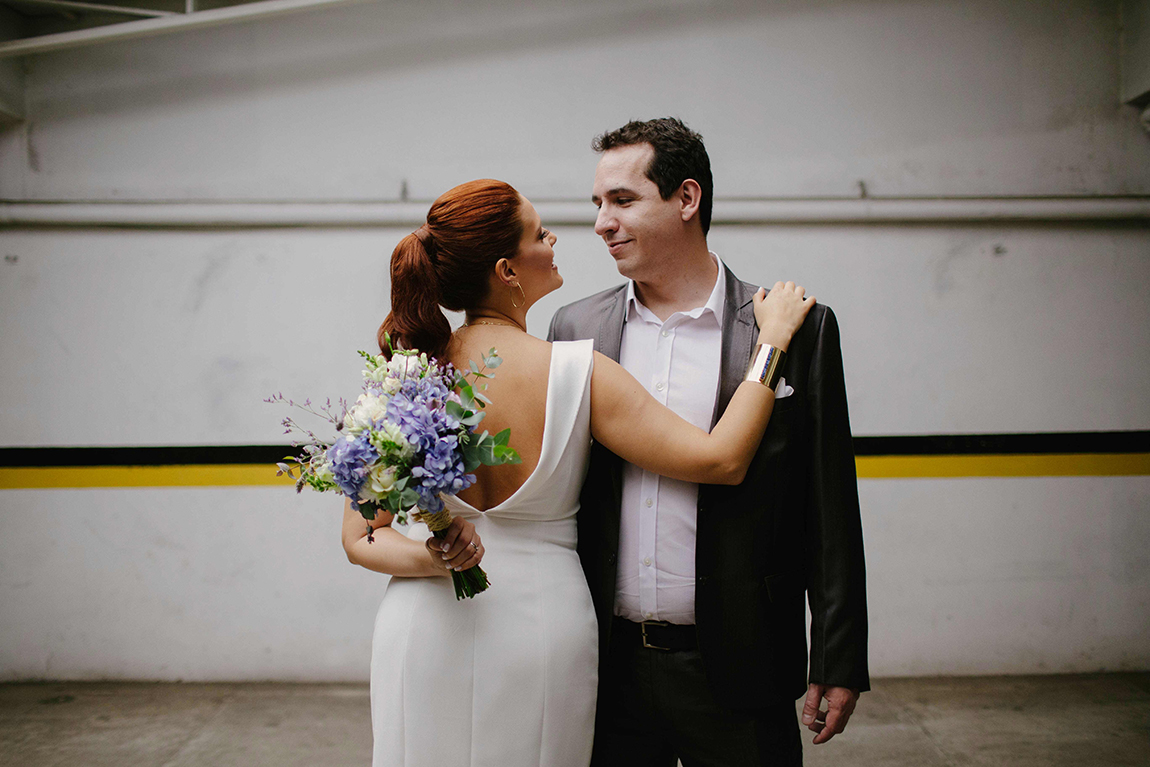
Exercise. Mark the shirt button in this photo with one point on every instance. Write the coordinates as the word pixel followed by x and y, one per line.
pixel 665 334
pixel 659 386
pixel 648 615
pixel 647 561
pixel 650 502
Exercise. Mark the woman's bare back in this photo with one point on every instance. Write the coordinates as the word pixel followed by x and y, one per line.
pixel 518 393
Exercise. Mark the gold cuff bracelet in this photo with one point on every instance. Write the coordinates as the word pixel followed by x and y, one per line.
pixel 766 366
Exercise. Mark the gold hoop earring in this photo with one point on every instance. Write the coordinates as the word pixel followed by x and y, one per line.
pixel 521 292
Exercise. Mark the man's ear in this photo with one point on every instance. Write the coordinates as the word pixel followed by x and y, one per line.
pixel 690 196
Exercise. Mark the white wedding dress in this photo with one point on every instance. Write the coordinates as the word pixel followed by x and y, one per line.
pixel 508 678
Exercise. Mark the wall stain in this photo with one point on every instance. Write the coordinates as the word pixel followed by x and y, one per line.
pixel 944 281
pixel 213 268
pixel 30 147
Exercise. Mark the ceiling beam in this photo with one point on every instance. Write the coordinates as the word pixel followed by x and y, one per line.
pixel 130 30
pixel 116 9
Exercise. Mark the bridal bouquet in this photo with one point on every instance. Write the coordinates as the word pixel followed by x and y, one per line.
pixel 407 440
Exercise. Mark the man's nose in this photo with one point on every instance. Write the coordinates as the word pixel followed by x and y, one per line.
pixel 604 222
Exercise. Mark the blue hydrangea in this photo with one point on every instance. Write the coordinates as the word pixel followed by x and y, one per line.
pixel 351 459
pixel 441 472
pixel 418 408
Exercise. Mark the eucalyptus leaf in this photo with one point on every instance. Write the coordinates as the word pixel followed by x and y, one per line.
pixel 505 455
pixel 467 396
pixel 455 410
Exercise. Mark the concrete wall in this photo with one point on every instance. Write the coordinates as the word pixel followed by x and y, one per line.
pixel 172 335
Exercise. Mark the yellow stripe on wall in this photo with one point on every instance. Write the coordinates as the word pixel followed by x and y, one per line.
pixel 197 475
pixel 869 467
pixel 1008 465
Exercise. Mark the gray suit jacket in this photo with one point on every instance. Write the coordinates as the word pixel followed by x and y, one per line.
pixel 791 528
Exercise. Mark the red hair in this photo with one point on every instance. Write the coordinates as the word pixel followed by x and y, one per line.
pixel 447 261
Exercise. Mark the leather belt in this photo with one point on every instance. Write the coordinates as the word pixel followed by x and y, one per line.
pixel 657 635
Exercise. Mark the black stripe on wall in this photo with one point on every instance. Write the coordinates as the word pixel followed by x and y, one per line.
pixel 1040 443
pixel 143 456
pixel 935 444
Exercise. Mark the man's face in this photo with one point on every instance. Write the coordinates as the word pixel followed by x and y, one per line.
pixel 638 225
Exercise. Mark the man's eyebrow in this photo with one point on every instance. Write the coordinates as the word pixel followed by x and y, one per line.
pixel 616 192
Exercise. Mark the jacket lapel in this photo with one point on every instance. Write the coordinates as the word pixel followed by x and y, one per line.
pixel 610 338
pixel 738 337
pixel 608 342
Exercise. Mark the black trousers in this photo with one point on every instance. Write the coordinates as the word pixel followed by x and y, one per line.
pixel 655 708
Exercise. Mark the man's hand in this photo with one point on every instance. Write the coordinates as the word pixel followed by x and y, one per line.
pixel 840 704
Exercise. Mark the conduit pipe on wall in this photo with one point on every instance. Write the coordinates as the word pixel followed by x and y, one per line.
pixel 256 215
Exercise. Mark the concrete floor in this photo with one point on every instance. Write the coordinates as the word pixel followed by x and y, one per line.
pixel 1082 720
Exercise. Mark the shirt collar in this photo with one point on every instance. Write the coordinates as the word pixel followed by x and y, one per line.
pixel 715 304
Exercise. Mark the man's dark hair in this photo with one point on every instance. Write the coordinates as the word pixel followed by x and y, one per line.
pixel 679 155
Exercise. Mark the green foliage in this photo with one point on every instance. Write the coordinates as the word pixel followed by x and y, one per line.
pixel 488 450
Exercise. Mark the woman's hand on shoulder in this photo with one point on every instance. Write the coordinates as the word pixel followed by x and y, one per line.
pixel 781 312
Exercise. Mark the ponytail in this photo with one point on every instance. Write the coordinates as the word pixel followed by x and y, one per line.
pixel 415 320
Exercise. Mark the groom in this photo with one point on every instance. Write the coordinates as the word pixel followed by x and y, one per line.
pixel 699 589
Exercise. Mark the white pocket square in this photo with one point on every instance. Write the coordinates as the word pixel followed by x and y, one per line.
pixel 782 390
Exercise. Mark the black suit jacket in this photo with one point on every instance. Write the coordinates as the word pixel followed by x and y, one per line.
pixel 791 527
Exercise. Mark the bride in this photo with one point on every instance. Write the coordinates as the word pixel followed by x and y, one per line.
pixel 509 678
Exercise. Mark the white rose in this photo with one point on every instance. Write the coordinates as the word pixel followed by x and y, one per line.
pixel 366 410
pixel 381 480
pixel 406 366
pixel 391 432
pixel 391 385
pixel 323 472
pixel 379 373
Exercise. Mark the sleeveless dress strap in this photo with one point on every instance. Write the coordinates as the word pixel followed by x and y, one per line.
pixel 568 399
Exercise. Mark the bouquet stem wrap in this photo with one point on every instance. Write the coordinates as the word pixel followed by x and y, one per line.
pixel 471 581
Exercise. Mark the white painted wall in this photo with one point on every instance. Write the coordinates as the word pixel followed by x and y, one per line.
pixel 795 99
pixel 164 337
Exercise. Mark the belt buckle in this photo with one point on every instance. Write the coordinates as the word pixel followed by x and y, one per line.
pixel 646 643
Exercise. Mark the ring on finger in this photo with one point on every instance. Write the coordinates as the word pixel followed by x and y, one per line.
pixel 475 546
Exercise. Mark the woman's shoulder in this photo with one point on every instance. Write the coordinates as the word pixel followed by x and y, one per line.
pixel 517 350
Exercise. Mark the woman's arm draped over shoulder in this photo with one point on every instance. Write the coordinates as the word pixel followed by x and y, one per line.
pixel 629 422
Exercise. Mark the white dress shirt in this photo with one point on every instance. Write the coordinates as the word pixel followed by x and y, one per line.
pixel 678 361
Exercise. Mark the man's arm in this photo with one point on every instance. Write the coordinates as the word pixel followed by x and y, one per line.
pixel 836 574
